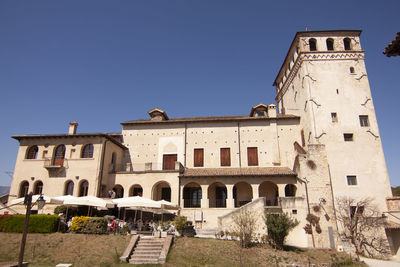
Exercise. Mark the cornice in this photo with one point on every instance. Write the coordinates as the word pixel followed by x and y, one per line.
pixel 317 56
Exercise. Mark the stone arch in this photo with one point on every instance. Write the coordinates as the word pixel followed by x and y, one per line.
pixel 290 190
pixel 119 191
pixel 161 191
pixel 192 195
pixel 217 194
pixel 242 193
pixel 136 190
pixel 269 190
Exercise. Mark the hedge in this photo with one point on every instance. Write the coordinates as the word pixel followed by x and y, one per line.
pixel 37 223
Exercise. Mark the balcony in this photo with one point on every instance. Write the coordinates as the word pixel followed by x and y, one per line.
pixel 144 167
pixel 50 164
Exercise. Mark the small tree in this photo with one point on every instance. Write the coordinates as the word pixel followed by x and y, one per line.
pixel 244 226
pixel 278 227
pixel 362 224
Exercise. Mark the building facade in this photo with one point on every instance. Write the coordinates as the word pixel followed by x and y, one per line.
pixel 319 142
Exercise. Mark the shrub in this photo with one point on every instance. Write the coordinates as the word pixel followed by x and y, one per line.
pixel 244 226
pixel 63 209
pixel 37 223
pixel 88 225
pixel 184 227
pixel 278 227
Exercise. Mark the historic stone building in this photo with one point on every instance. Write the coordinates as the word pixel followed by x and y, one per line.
pixel 321 141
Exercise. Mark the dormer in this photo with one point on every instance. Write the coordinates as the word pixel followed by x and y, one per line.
pixel 259 110
pixel 158 114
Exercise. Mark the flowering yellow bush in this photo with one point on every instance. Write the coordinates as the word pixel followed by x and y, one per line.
pixel 78 223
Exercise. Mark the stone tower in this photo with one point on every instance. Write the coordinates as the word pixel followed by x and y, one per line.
pixel 324 81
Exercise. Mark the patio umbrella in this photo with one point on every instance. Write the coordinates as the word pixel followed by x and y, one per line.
pixel 90 201
pixel 47 199
pixel 136 202
pixel 168 205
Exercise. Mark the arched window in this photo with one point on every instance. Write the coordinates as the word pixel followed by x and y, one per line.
pixel 32 152
pixel 69 188
pixel 290 190
pixel 38 188
pixel 329 44
pixel 23 189
pixel 59 155
pixel 119 191
pixel 83 189
pixel 313 44
pixel 351 70
pixel 87 151
pixel 347 43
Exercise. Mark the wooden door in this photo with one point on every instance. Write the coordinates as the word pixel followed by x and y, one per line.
pixel 169 161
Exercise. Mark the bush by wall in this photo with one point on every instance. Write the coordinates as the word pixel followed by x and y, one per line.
pixel 88 225
pixel 37 223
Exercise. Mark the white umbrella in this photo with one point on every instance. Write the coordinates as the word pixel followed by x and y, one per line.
pixel 168 205
pixel 136 202
pixel 89 201
pixel 47 199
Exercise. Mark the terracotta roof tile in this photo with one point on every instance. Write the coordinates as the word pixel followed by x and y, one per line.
pixel 208 119
pixel 256 171
pixel 393 49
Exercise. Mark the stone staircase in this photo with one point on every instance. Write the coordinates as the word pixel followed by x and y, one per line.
pixel 147 251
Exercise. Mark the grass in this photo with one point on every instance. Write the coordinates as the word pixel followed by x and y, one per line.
pixel 104 250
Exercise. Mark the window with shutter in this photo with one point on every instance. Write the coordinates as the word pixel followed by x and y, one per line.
pixel 252 156
pixel 198 157
pixel 169 161
pixel 225 156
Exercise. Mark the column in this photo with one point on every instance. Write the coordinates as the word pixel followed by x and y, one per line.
pixel 205 204
pixel 230 202
pixel 254 187
pixel 281 189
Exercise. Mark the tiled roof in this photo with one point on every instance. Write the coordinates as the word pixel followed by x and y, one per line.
pixel 393 49
pixel 208 119
pixel 256 171
pixel 110 136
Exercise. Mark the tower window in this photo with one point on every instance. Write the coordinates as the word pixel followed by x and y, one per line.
pixel 334 117
pixel 351 180
pixel 313 44
pixel 348 137
pixel 347 44
pixel 364 122
pixel 32 152
pixel 329 44
pixel 352 70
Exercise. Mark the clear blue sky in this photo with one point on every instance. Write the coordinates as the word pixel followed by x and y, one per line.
pixel 104 62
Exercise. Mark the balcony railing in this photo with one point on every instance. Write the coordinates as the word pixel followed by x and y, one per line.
pixel 142 167
pixel 51 164
pixel 191 203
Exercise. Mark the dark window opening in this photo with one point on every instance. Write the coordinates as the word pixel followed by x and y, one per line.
pixel 32 152
pixel 38 188
pixel 192 197
pixel 83 191
pixel 313 44
pixel 334 117
pixel 348 137
pixel 329 44
pixel 23 190
pixel 364 122
pixel 351 180
pixel 220 197
pixel 347 44
pixel 351 70
pixel 87 151
pixel 69 188
pixel 166 193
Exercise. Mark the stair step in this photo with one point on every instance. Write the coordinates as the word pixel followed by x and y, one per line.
pixel 145 256
pixel 140 252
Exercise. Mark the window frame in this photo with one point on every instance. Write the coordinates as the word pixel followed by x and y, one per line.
pixel 225 162
pixel 351 182
pixel 252 161
pixel 334 117
pixel 314 44
pixel 364 120
pixel 330 44
pixel 198 157
pixel 87 151
pixel 29 152
pixel 348 137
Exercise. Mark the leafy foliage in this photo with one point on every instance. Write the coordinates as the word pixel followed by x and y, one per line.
pixel 278 227
pixel 37 223
pixel 88 225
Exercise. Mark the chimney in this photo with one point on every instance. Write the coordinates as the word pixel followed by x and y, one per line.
pixel 72 127
pixel 272 111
